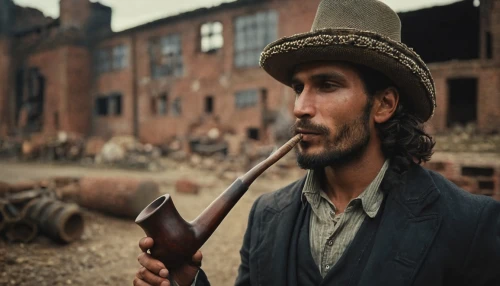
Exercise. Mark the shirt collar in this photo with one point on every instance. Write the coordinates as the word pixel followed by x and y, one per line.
pixel 371 198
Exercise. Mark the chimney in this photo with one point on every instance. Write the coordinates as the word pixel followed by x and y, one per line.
pixel 74 13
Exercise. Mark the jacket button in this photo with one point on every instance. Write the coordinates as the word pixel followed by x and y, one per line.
pixel 330 242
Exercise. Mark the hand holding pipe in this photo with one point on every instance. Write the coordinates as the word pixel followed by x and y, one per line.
pixel 177 240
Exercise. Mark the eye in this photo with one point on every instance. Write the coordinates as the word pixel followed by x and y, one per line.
pixel 298 88
pixel 329 85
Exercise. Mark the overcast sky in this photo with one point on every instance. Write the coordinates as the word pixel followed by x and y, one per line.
pixel 129 13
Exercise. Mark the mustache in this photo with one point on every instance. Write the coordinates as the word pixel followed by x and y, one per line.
pixel 310 126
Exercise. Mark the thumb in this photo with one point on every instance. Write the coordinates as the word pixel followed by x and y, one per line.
pixel 197 257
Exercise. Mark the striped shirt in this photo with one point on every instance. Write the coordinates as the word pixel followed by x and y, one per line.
pixel 331 234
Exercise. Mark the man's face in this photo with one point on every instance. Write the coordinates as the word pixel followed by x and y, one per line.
pixel 333 114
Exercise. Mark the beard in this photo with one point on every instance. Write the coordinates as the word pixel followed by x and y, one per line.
pixel 346 146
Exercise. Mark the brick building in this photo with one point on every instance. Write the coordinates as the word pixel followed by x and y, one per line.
pixel 169 77
pixel 155 81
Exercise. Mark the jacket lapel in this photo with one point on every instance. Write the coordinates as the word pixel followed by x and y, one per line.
pixel 276 229
pixel 407 230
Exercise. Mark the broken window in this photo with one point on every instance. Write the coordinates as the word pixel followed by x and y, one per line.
pixel 211 37
pixel 101 106
pixel 246 98
pixel 484 176
pixel 489 46
pixel 103 61
pixel 159 104
pixel 120 57
pixel 177 107
pixel 56 120
pixel 109 105
pixel 166 56
pixel 462 101
pixel 112 58
pixel 209 104
pixel 115 104
pixel 253 133
pixel 252 34
pixel 30 94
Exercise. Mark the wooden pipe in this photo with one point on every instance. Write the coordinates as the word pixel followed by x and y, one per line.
pixel 175 240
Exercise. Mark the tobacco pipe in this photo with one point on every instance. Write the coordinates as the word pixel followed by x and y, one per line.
pixel 176 240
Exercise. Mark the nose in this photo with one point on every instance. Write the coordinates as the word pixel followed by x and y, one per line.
pixel 305 106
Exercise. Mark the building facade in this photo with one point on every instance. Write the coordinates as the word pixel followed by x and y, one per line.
pixel 199 69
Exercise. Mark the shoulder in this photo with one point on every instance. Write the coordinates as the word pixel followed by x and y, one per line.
pixel 281 198
pixel 460 202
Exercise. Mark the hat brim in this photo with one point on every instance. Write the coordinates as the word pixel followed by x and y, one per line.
pixel 394 59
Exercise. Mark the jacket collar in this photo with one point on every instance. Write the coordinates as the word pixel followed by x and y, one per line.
pixel 412 186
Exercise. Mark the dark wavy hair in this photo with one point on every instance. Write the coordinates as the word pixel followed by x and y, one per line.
pixel 403 135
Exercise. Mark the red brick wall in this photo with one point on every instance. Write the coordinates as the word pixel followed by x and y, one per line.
pixel 115 81
pixel 488 105
pixel 204 74
pixel 74 13
pixel 495 28
pixel 5 83
pixel 66 88
pixel 77 89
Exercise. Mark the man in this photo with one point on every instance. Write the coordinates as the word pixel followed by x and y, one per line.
pixel 366 213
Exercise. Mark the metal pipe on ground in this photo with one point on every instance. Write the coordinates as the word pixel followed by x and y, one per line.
pixel 17 187
pixel 23 230
pixel 125 197
pixel 60 221
pixel 10 212
pixel 2 219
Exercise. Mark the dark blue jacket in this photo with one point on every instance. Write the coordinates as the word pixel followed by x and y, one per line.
pixel 431 233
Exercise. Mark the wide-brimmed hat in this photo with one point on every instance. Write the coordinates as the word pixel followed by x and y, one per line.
pixel 365 32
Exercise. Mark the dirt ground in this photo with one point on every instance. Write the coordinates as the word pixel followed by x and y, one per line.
pixel 107 252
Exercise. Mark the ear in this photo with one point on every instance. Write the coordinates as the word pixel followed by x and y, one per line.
pixel 385 104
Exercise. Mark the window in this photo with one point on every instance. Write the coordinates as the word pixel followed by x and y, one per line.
pixel 115 104
pixel 101 106
pixel 211 37
pixel 109 105
pixel 489 45
pixel 103 61
pixel 252 34
pixel 246 98
pixel 177 107
pixel 166 56
pixel 253 133
pixel 209 104
pixel 112 58
pixel 159 105
pixel 120 57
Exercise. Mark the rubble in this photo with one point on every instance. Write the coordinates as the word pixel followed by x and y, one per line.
pixel 52 206
pixel 187 187
pixel 125 197
pixel 27 209
pixel 121 151
pixel 467 139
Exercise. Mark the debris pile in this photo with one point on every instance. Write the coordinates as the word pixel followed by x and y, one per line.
pixel 121 151
pixel 127 152
pixel 467 139
pixel 28 209
pixel 52 206
pixel 9 147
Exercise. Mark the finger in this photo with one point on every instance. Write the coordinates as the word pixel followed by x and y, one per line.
pixel 139 282
pixel 146 243
pixel 153 265
pixel 151 279
pixel 198 256
pixel 196 260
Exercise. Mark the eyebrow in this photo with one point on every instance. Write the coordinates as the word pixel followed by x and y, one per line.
pixel 323 77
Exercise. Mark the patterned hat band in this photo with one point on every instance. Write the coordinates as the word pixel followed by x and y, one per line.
pixel 330 39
